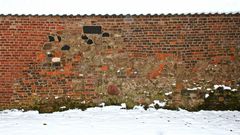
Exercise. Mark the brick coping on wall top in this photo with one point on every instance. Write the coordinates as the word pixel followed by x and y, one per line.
pixel 123 15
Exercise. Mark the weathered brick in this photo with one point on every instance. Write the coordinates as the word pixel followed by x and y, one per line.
pixel 134 50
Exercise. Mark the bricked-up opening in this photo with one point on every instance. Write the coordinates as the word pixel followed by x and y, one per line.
pixel 92 29
pixel 56 64
pixel 51 38
pixel 65 48
pixel 49 54
pixel 105 34
pixel 89 41
pixel 59 38
pixel 84 37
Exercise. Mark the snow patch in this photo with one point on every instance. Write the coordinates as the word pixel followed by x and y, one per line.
pixel 138 107
pixel 111 120
pixel 208 89
pixel 102 105
pixel 195 88
pixel 223 86
pixel 206 95
pixel 168 93
pixel 234 90
pixel 63 107
pixel 123 105
pixel 83 102
pixel 157 102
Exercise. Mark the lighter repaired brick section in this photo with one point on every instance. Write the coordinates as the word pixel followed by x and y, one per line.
pixel 136 59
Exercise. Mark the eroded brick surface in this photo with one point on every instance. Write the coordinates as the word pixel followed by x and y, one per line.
pixel 135 59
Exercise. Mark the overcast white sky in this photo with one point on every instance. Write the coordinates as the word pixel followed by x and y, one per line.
pixel 117 6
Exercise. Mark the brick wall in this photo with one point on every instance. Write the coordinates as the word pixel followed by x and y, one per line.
pixel 134 58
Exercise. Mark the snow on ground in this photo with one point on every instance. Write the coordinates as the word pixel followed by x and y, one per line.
pixel 113 120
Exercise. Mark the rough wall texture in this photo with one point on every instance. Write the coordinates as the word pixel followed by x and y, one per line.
pixel 49 60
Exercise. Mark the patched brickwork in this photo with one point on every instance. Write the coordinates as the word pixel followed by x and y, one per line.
pixel 87 60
